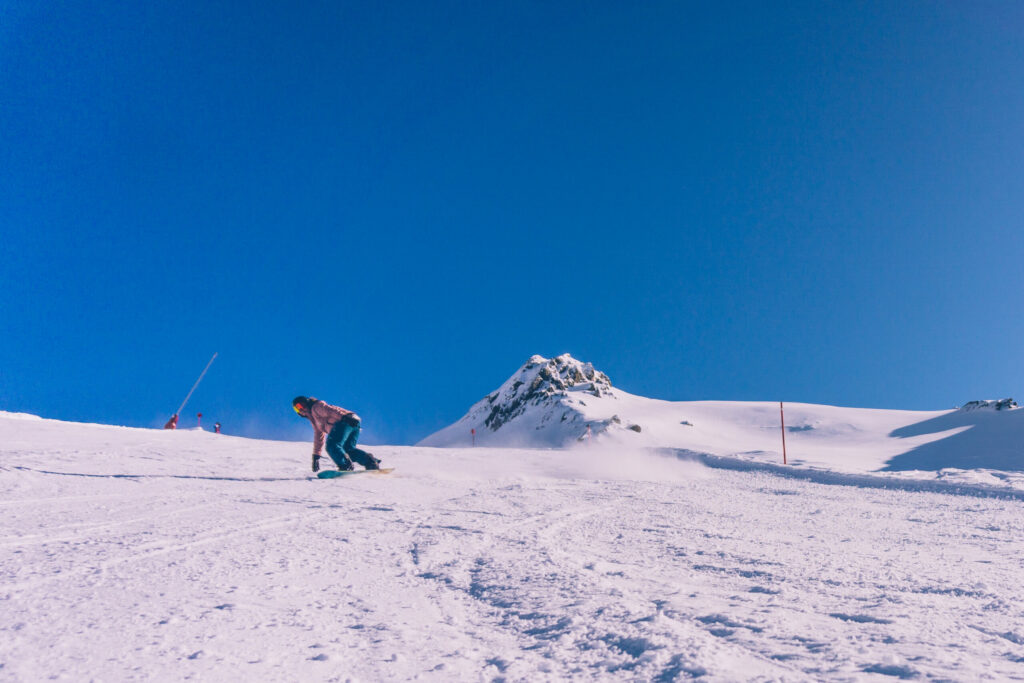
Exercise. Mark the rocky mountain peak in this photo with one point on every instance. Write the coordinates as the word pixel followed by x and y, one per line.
pixel 539 380
pixel 991 404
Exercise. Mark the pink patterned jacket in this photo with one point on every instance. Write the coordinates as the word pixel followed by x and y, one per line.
pixel 324 416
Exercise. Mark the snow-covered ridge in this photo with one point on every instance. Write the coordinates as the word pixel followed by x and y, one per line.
pixel 990 404
pixel 563 402
pixel 18 416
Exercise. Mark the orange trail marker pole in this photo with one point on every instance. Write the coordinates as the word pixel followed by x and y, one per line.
pixel 782 420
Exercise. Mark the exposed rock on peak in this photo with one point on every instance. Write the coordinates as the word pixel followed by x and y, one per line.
pixel 541 404
pixel 997 404
pixel 541 379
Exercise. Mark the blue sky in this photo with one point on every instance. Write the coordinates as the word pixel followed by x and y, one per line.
pixel 392 206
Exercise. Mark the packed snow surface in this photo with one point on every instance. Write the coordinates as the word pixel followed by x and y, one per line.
pixel 132 554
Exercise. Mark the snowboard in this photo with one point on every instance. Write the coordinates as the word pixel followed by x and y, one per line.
pixel 333 474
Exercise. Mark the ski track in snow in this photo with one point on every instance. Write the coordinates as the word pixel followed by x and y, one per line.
pixel 139 555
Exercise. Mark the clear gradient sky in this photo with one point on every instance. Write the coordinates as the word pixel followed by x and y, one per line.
pixel 392 206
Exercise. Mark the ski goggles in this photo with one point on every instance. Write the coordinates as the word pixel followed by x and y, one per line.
pixel 297 408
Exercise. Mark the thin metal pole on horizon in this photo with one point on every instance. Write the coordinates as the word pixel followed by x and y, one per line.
pixel 195 385
pixel 782 421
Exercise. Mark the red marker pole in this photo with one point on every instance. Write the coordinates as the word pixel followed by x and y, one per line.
pixel 473 432
pixel 199 419
pixel 782 420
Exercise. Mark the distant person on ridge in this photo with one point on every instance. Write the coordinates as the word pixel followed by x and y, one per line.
pixel 172 423
pixel 340 428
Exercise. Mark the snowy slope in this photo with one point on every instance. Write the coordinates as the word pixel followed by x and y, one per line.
pixel 132 554
pixel 551 403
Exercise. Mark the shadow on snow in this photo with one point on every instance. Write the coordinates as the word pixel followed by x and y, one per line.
pixel 159 476
pixel 992 440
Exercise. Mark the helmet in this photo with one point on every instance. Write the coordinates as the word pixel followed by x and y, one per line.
pixel 300 404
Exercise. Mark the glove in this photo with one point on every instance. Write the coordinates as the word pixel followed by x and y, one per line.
pixel 316 463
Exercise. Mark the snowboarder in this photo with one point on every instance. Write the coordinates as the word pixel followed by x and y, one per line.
pixel 340 428
pixel 172 423
pixel 216 427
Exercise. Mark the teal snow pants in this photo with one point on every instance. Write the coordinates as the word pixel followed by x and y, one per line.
pixel 341 446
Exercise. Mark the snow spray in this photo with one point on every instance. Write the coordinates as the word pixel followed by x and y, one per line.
pixel 615 462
